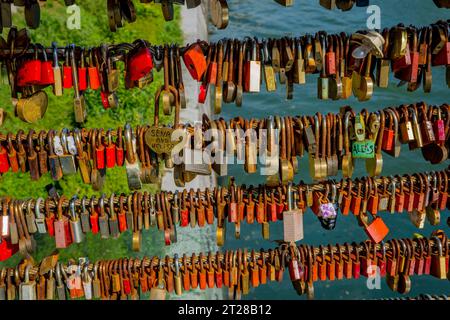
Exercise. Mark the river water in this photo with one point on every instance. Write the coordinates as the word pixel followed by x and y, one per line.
pixel 264 19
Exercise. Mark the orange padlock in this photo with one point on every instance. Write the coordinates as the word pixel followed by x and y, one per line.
pixel 195 61
pixel 377 230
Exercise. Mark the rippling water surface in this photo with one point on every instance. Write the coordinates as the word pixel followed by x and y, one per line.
pixel 264 19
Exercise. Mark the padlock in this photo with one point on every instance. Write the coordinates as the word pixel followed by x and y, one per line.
pixel 140 63
pixel 47 75
pixel 30 72
pixel 195 61
pixel 67 70
pixel 438 263
pixel 93 72
pixel 75 223
pixel 7 249
pixel 27 289
pixel 388 135
pixel 110 151
pixel 439 126
pixel 4 163
pixel 63 236
pixel 82 73
pixel 376 230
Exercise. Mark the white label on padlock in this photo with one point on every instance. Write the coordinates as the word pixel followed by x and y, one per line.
pixel 5 226
pixel 255 76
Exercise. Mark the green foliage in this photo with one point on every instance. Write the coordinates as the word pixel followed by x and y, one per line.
pixel 136 107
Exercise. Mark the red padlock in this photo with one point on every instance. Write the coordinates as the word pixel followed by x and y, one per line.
pixel 260 210
pixel 280 206
pixel 372 203
pixel 410 70
pixel 400 198
pixel 4 163
pixel 381 259
pixel 82 73
pixel 67 71
pixel 105 101
pixel 212 72
pixel 295 268
pixel 377 230
pixel 442 58
pixel 195 61
pixel 232 206
pixel 93 218
pixel 250 210
pixel 126 284
pixel 47 75
pixel 402 62
pixel 355 204
pixel 94 74
pixel 356 262
pixel 29 73
pixel 330 58
pixel 388 134
pixel 443 193
pixel 203 93
pixel 184 213
pixel 241 205
pixel 7 249
pixel 419 196
pixel 99 150
pixel 271 209
pixel 140 63
pixel 438 125
pixel 322 265
pixel 110 152
pixel 50 224
pixel 119 148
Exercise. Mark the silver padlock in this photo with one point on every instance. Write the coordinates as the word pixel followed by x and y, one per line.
pixel 113 221
pixel 131 163
pixel 103 219
pixel 27 289
pixel 175 209
pixel 2 285
pixel 129 216
pixel 87 283
pixel 66 160
pixel 30 218
pixel 152 211
pixel 60 287
pixel 84 216
pixel 75 223
pixel 193 158
pixel 40 218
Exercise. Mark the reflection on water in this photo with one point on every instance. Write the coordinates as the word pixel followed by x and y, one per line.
pixel 264 19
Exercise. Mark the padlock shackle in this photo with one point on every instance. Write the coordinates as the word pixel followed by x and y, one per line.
pixel 73 214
